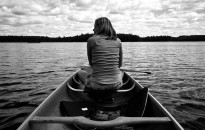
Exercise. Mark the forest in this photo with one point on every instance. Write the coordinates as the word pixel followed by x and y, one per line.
pixel 84 38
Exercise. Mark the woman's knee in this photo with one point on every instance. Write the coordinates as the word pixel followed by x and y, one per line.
pixel 83 75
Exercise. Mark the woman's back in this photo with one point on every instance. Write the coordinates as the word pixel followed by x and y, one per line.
pixel 104 52
pixel 105 59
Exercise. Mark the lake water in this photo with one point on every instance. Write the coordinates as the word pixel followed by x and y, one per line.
pixel 30 72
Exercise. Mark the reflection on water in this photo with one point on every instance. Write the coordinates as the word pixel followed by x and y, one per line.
pixel 30 72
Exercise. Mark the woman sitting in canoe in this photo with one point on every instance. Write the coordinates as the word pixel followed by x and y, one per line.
pixel 104 52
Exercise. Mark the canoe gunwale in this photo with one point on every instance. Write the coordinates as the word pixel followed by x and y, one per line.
pixel 27 121
pixel 159 105
pixel 35 113
pixel 178 126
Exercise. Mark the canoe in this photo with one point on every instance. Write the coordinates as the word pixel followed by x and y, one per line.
pixel 49 116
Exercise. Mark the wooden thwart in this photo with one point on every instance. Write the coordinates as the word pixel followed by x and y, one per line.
pixel 80 120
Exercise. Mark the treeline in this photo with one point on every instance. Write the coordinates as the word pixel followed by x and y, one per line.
pixel 84 38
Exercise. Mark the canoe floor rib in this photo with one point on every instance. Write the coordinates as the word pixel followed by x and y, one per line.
pixel 80 120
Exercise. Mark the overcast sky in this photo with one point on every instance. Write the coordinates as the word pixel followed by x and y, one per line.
pixel 74 17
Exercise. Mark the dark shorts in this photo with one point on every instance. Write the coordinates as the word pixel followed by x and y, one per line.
pixel 98 86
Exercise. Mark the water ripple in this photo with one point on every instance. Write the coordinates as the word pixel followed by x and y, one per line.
pixel 30 72
pixel 9 84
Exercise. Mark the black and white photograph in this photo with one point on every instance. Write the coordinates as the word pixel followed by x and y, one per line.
pixel 102 65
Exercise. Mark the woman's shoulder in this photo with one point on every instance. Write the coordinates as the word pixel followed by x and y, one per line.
pixel 93 38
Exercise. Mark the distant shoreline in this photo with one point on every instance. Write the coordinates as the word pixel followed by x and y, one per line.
pixel 84 38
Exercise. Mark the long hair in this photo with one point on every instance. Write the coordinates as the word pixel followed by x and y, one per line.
pixel 104 27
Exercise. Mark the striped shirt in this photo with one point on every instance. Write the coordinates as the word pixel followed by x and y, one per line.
pixel 105 57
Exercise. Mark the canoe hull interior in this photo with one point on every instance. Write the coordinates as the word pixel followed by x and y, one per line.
pixel 50 107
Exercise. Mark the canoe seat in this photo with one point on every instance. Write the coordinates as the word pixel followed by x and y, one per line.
pixel 112 98
pixel 78 86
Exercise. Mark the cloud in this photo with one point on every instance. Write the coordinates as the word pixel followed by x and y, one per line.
pixel 81 16
pixel 150 4
pixel 21 21
pixel 73 17
pixel 84 3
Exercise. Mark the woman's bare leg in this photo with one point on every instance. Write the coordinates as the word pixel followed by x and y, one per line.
pixel 83 75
